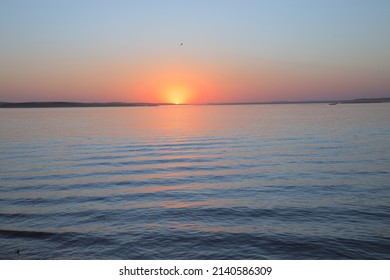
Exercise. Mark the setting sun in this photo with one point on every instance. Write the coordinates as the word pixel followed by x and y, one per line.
pixel 178 94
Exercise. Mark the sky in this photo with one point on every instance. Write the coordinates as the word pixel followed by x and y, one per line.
pixel 193 51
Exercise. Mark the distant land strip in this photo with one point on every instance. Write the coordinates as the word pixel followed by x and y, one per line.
pixel 69 104
pixel 353 101
pixel 124 104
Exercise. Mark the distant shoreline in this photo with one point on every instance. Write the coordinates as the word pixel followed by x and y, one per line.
pixel 353 101
pixel 70 104
pixel 124 104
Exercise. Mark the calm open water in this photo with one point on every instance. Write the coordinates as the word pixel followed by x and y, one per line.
pixel 196 182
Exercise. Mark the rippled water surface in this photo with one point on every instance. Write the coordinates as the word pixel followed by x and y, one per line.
pixel 196 182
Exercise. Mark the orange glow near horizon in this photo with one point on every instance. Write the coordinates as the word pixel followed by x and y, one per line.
pixel 176 84
pixel 178 94
pixel 195 83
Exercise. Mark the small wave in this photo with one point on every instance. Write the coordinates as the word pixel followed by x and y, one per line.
pixel 27 234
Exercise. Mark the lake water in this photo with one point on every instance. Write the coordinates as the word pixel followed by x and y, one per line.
pixel 308 181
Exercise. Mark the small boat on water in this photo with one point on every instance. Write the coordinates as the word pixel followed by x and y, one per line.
pixel 333 103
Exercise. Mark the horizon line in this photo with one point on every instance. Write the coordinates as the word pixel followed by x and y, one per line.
pixel 38 104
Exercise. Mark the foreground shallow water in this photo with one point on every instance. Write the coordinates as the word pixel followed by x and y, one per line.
pixel 196 182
